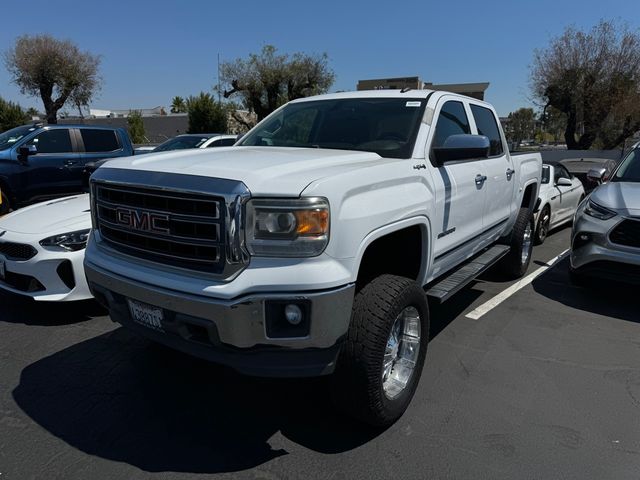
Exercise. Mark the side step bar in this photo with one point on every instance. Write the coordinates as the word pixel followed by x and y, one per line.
pixel 462 276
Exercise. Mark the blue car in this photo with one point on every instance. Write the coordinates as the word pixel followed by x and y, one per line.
pixel 41 162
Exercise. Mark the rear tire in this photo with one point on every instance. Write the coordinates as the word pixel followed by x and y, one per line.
pixel 516 262
pixel 542 228
pixel 378 367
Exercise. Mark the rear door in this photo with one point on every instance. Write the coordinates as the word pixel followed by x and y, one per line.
pixel 95 144
pixel 498 169
pixel 47 172
pixel 459 199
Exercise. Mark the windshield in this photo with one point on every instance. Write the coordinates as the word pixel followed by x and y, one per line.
pixel 9 138
pixel 180 143
pixel 386 126
pixel 629 170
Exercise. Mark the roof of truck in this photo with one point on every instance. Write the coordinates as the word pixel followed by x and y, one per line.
pixel 407 93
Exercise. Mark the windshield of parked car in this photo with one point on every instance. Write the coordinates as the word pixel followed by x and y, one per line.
pixel 181 143
pixel 386 126
pixel 629 170
pixel 9 138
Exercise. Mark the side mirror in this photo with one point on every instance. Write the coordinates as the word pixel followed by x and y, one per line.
pixel 462 147
pixel 25 150
pixel 596 174
pixel 564 182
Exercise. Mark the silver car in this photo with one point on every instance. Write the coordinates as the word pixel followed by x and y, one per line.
pixel 605 241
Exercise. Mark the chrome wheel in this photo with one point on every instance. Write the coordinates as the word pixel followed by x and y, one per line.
pixel 526 243
pixel 401 352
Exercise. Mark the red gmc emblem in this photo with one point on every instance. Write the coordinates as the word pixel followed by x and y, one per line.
pixel 142 220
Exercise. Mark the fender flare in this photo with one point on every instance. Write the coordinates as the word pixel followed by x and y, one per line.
pixel 425 227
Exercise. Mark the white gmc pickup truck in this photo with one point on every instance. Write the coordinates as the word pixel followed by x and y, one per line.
pixel 311 247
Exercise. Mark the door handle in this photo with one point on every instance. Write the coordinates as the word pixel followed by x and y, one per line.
pixel 480 179
pixel 510 172
pixel 68 163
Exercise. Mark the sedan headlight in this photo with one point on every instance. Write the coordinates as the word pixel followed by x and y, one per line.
pixel 287 227
pixel 598 211
pixel 71 241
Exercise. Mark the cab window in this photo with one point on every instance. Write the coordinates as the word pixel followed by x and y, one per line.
pixel 487 126
pixel 52 141
pixel 451 121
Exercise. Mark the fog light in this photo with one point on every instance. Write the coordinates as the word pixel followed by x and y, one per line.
pixel 584 237
pixel 293 314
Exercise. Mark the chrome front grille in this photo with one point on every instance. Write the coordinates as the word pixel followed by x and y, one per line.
pixel 181 229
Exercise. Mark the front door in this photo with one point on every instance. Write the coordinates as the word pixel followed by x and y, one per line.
pixel 47 172
pixel 459 198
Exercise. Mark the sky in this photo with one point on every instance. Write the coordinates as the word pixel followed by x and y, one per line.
pixel 154 50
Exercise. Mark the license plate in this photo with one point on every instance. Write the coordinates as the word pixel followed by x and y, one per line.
pixel 146 315
pixel 2 269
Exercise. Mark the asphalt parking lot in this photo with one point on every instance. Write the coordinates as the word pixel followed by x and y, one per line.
pixel 544 385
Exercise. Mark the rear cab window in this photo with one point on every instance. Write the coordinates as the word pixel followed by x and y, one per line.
pixel 99 141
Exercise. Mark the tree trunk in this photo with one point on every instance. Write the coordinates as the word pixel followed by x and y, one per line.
pixel 570 131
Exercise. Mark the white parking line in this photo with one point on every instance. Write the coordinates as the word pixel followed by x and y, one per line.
pixel 523 282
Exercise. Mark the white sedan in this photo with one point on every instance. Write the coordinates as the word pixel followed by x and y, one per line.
pixel 560 195
pixel 42 250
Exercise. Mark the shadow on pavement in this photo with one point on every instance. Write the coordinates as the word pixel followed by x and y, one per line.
pixel 121 398
pixel 600 297
pixel 19 309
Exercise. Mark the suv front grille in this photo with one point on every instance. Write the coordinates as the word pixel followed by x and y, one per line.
pixel 17 251
pixel 175 228
pixel 626 233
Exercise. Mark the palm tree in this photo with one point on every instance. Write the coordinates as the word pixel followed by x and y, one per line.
pixel 178 105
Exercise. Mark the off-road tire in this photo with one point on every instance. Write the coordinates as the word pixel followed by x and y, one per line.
pixel 357 385
pixel 542 228
pixel 512 264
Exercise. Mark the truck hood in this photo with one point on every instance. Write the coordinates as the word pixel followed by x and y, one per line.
pixel 50 218
pixel 623 197
pixel 264 170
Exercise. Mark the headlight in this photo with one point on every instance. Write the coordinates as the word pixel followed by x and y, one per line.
pixel 72 241
pixel 287 228
pixel 598 211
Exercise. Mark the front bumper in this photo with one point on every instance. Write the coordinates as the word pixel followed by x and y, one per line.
pixel 50 275
pixel 593 254
pixel 234 332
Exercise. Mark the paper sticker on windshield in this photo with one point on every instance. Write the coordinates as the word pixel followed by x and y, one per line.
pixel 413 104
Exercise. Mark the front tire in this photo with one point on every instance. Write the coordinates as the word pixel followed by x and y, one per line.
pixel 516 262
pixel 381 361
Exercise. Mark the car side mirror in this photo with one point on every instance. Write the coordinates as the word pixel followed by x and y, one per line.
pixel 25 150
pixel 597 174
pixel 462 147
pixel 564 182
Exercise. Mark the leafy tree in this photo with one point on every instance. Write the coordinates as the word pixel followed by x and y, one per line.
pixel 593 78
pixel 32 112
pixel 135 126
pixel 554 123
pixel 267 80
pixel 178 105
pixel 520 125
pixel 206 115
pixel 55 70
pixel 11 115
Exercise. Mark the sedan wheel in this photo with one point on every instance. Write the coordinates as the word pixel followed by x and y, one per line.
pixel 542 229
